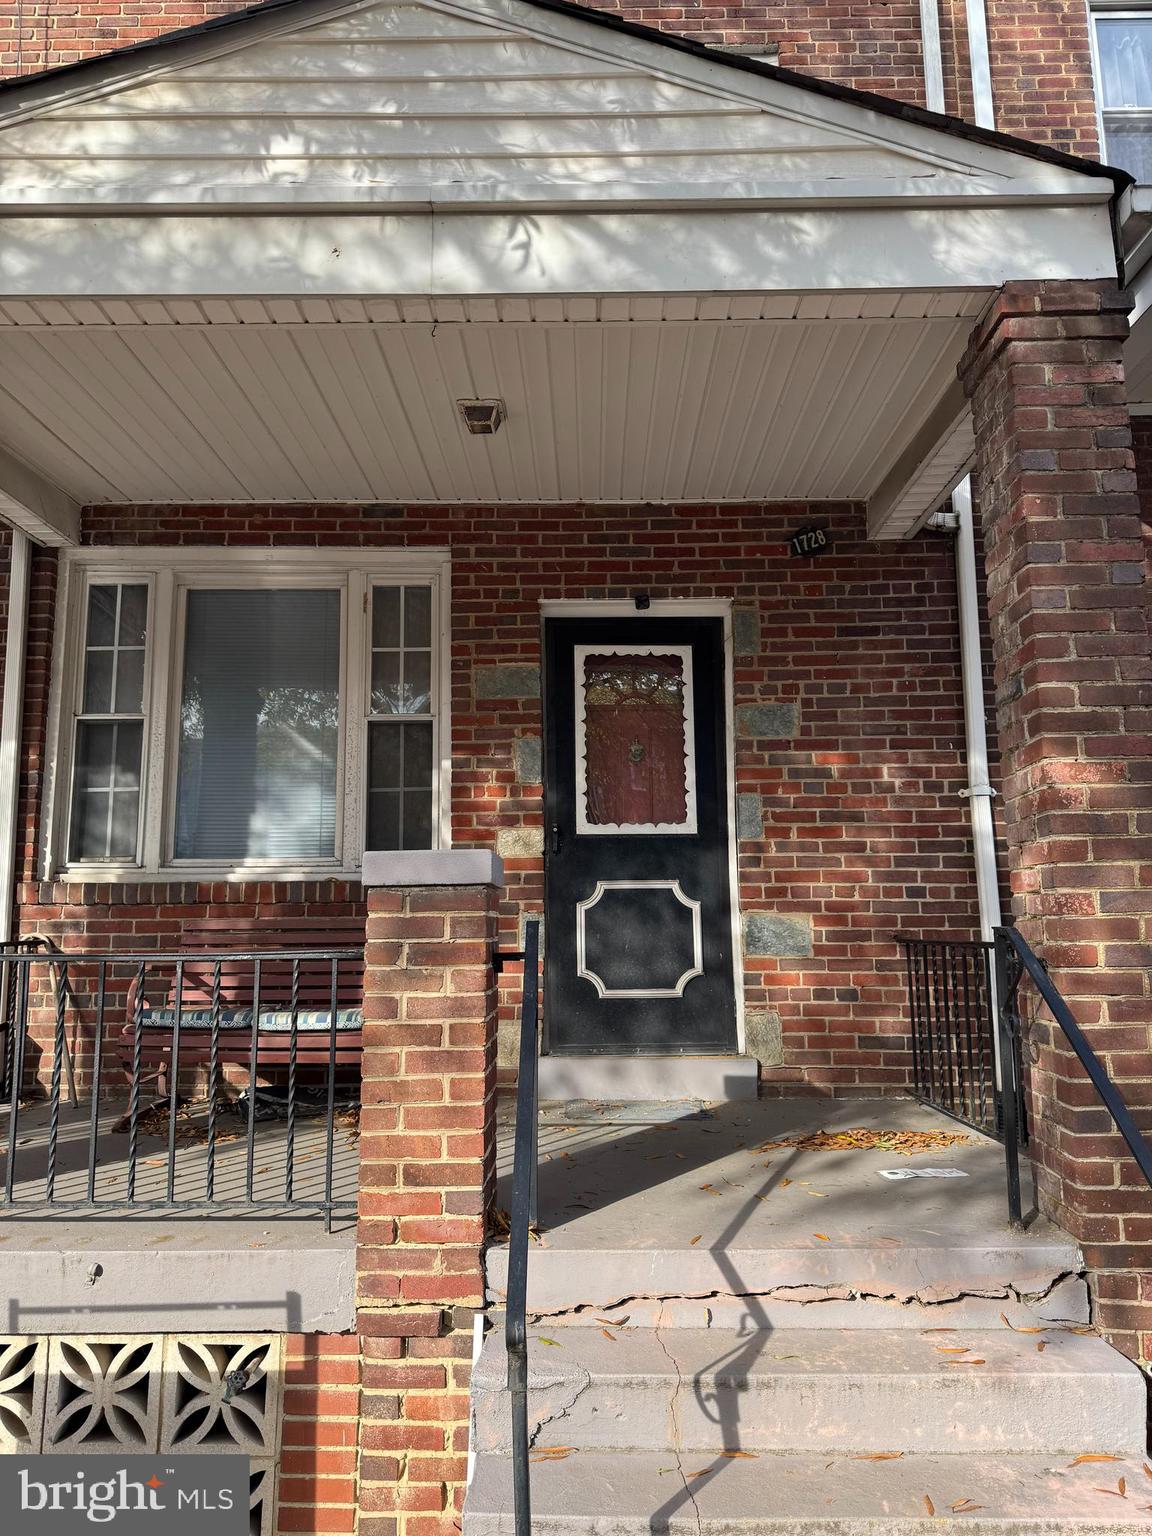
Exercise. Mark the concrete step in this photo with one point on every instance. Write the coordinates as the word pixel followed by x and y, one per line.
pixel 815 1494
pixel 806 1281
pixel 705 1390
pixel 702 1079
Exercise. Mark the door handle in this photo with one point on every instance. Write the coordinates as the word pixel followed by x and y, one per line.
pixel 554 841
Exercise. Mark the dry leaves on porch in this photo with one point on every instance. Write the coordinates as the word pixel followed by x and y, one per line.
pixel 907 1143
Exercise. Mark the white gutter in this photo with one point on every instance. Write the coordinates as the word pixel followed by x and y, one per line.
pixel 933 58
pixel 979 792
pixel 980 64
pixel 11 711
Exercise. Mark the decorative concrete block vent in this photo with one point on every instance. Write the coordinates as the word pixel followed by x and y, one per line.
pixel 134 1393
pixel 23 1377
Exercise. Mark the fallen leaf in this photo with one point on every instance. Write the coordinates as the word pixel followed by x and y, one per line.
pixel 977 1361
pixel 608 1335
pixel 703 1472
pixel 952 1349
pixel 928 1505
pixel 613 1322
pixel 816 1194
pixel 965 1507
pixel 739 1455
pixel 707 1188
pixel 552 1343
pixel 696 1239
pixel 937 1330
pixel 1147 1470
pixel 1014 1328
pixel 821 1236
pixel 878 1456
pixel 1122 1488
pixel 551 1452
pixel 1091 1456
pixel 784 1183
pixel 1041 1346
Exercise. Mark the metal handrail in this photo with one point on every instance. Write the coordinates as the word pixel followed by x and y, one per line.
pixel 522 1215
pixel 1016 959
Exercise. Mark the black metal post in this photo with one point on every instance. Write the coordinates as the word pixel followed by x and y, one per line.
pixel 1007 1025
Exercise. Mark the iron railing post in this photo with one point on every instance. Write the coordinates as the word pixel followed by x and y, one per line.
pixel 520 1223
pixel 1008 1031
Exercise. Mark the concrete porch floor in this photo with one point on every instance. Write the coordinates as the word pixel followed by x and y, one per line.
pixel 152 1269
pixel 690 1207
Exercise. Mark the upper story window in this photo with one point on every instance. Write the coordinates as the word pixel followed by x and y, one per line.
pixel 220 712
pixel 1123 51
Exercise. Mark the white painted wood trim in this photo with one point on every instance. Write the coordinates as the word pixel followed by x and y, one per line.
pixel 170 572
pixel 33 504
pixel 11 716
pixel 687 827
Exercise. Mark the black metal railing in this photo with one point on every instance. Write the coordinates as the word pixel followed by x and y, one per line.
pixel 953 1031
pixel 195 1081
pixel 521 1221
pixel 1015 960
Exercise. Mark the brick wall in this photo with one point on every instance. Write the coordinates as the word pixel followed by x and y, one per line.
pixel 317 1474
pixel 1041 63
pixel 864 829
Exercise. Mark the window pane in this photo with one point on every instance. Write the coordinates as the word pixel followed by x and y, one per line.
pixel 1125 48
pixel 106 789
pixel 259 727
pixel 417 616
pixel 401 654
pixel 133 615
pixel 98 682
pixel 400 785
pixel 385 616
pixel 1128 145
pixel 129 682
pixel 102 615
pixel 387 695
pixel 635 757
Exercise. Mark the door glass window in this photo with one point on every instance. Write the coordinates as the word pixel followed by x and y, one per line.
pixel 633 762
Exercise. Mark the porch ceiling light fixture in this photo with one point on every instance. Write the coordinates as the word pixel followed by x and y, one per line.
pixel 482 417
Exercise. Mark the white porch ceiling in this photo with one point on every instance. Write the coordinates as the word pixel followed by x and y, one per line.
pixel 679 398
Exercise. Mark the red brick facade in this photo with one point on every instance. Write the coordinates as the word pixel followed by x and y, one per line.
pixel 427 1177
pixel 1071 625
pixel 864 828
pixel 1041 57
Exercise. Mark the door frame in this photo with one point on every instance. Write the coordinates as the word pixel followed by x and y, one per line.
pixel 672 608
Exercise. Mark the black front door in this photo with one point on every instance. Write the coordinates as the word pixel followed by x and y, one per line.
pixel 637 885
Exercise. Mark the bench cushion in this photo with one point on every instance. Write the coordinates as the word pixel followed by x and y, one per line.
pixel 273 1021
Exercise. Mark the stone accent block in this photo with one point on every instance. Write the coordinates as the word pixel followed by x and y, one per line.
pixel 520 842
pixel 749 816
pixel 528 756
pixel 779 934
pixel 764 1037
pixel 746 631
pixel 764 720
pixel 507 682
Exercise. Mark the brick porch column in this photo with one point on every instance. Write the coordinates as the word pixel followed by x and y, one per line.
pixel 1068 597
pixel 427 1166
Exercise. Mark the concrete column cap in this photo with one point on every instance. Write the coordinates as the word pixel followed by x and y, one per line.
pixel 433 866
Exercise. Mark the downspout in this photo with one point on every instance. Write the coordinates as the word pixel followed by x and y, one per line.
pixel 979 792
pixel 980 64
pixel 933 57
pixel 11 712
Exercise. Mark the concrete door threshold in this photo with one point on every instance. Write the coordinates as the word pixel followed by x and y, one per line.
pixel 707 1079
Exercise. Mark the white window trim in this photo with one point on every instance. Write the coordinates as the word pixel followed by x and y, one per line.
pixel 1117 10
pixel 171 571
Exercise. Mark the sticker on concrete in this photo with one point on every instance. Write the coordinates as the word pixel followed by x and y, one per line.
pixel 922 1173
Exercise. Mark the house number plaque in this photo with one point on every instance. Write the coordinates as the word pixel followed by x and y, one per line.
pixel 806 543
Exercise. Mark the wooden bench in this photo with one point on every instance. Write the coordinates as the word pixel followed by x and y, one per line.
pixel 305 997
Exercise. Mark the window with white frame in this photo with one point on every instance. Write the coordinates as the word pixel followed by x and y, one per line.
pixel 1122 46
pixel 226 712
